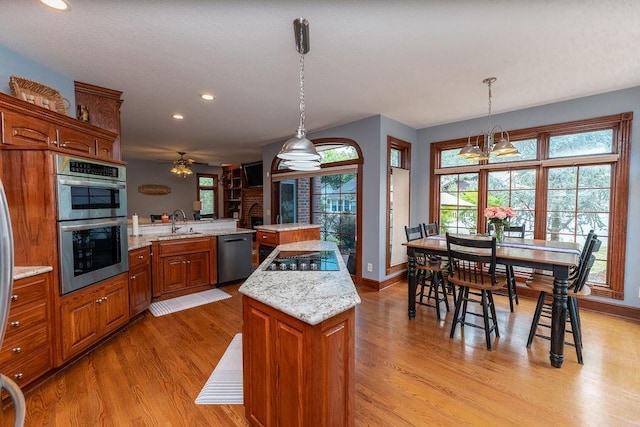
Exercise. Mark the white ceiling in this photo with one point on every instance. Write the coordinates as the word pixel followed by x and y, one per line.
pixel 419 62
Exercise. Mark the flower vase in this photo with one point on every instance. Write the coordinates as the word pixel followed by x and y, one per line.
pixel 499 232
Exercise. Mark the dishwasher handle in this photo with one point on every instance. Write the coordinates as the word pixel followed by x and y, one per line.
pixel 235 239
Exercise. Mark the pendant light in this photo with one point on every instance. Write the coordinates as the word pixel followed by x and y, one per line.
pixel 502 148
pixel 298 152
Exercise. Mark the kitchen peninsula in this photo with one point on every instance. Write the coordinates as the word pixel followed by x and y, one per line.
pixel 298 338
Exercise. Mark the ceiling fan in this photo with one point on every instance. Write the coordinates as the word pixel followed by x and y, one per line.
pixel 182 166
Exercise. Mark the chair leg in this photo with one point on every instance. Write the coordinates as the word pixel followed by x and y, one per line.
pixel 456 313
pixel 536 318
pixel 575 328
pixel 485 317
pixel 443 287
pixel 511 287
pixel 493 312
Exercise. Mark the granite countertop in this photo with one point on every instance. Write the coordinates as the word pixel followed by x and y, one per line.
pixel 311 296
pixel 273 228
pixel 24 272
pixel 143 240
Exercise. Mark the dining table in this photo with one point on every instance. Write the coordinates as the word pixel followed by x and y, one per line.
pixel 554 256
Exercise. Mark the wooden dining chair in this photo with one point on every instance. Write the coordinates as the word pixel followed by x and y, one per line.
pixel 472 267
pixel 428 269
pixel 577 289
pixel 516 231
pixel 431 229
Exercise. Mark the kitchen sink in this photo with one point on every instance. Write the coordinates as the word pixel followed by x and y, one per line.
pixel 179 234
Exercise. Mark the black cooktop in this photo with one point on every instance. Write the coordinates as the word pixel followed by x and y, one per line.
pixel 304 261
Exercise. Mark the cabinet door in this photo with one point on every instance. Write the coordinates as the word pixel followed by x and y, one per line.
pixel 139 289
pixel 104 149
pixel 23 130
pixel 78 142
pixel 79 322
pixel 114 309
pixel 198 269
pixel 174 272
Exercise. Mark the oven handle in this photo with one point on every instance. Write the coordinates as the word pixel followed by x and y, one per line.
pixel 82 183
pixel 88 226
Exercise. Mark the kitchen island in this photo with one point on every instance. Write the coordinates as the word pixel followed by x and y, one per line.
pixel 298 339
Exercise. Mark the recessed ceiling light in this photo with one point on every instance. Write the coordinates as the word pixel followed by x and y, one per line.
pixel 207 97
pixel 178 116
pixel 57 4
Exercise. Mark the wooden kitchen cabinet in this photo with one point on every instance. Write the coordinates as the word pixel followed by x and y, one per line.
pixel 24 131
pixel 139 280
pixel 267 240
pixel 26 125
pixel 89 314
pixel 76 142
pixel 183 266
pixel 296 373
pixel 27 350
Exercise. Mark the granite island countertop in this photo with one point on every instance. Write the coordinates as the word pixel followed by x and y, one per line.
pixel 274 228
pixel 310 296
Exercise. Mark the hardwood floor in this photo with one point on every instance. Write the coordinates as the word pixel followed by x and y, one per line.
pixel 408 373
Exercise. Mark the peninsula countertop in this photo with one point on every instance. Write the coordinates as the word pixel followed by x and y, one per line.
pixel 150 232
pixel 310 296
pixel 275 228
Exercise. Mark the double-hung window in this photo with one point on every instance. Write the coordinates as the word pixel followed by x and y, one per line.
pixel 570 178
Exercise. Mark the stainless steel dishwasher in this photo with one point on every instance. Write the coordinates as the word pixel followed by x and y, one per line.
pixel 234 257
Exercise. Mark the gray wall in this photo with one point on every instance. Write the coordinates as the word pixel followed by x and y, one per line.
pixel 582 108
pixel 183 190
pixel 14 64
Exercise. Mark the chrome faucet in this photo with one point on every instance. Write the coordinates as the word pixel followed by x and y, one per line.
pixel 173 220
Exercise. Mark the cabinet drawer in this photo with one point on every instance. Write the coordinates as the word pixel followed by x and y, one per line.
pixel 20 346
pixel 22 130
pixel 26 291
pixel 29 369
pixel 183 246
pixel 139 256
pixel 268 239
pixel 21 320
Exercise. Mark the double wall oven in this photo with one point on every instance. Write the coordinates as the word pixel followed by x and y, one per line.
pixel 92 221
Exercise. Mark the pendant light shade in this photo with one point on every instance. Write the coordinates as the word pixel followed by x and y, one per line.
pixel 299 148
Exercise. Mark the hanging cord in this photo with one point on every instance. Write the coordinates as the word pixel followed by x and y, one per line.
pixel 301 50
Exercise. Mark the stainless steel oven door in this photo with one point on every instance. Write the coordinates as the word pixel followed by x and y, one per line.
pixel 91 251
pixel 90 198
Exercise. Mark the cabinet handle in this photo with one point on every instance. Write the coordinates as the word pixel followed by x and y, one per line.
pixel 105 298
pixel 133 277
pixel 140 256
pixel 14 297
pixel 18 375
pixel 188 262
pixel 15 323
pixel 99 301
pixel 184 262
pixel 16 349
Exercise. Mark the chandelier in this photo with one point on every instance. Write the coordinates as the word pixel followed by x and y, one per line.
pixel 502 148
pixel 181 167
pixel 298 152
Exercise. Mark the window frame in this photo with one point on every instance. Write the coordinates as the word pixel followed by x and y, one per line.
pixel 213 188
pixel 619 161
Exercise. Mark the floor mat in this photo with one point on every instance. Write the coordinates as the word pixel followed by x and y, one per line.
pixel 224 386
pixel 161 308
